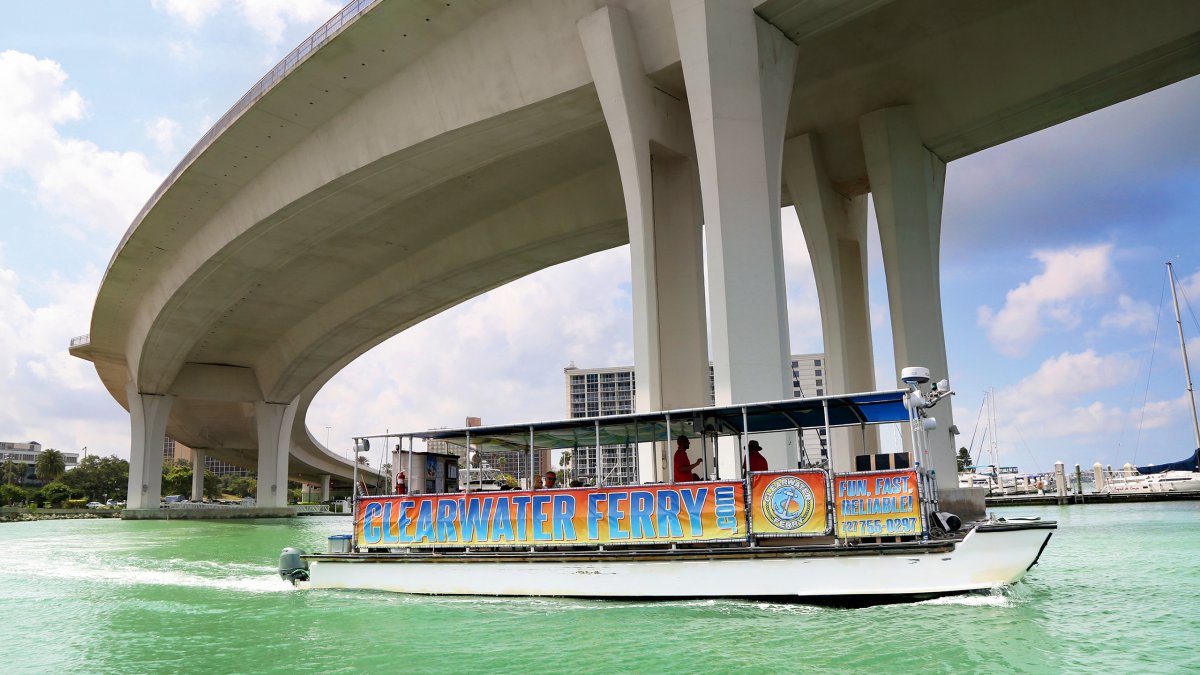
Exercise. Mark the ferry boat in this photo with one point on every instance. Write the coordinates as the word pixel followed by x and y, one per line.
pixel 802 534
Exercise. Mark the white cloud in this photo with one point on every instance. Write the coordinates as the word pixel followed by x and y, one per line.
pixel 55 399
pixel 162 131
pixel 271 17
pixel 94 189
pixel 499 356
pixel 1139 316
pixel 1068 277
pixel 184 50
pixel 191 12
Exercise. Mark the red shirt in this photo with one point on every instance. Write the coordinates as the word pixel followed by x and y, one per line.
pixel 683 466
pixel 757 461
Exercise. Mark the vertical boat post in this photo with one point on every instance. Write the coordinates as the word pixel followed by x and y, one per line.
pixel 531 460
pixel 599 465
pixel 828 436
pixel 744 438
pixel 468 488
pixel 1187 372
pixel 671 464
pixel 637 451
pixel 411 479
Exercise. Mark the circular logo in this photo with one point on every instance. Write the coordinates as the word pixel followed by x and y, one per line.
pixel 788 503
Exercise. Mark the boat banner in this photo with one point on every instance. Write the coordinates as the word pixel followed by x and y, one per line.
pixel 618 515
pixel 789 503
pixel 877 504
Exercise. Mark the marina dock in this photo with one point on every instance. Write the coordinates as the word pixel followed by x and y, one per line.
pixel 1089 498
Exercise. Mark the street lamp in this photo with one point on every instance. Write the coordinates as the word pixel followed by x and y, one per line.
pixel 327 437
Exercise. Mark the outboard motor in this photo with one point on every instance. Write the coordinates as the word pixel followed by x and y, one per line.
pixel 292 567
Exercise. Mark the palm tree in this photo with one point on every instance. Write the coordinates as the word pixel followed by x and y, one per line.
pixel 50 465
pixel 11 472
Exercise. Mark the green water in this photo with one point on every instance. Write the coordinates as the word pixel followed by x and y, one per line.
pixel 1115 593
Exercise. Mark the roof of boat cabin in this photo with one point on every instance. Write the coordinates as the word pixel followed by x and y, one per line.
pixel 802 413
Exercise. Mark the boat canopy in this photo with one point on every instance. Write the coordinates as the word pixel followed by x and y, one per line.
pixel 1190 464
pixel 805 413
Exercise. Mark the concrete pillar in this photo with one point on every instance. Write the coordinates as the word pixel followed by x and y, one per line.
pixel 325 487
pixel 907 185
pixel 738 71
pixel 835 231
pixel 147 428
pixel 198 456
pixel 1098 477
pixel 652 139
pixel 274 421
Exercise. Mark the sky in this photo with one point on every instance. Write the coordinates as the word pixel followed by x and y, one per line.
pixel 1053 251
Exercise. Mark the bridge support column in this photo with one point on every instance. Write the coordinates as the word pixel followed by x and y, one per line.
pixel 198 474
pixel 652 140
pixel 324 487
pixel 738 71
pixel 148 427
pixel 835 230
pixel 907 186
pixel 274 422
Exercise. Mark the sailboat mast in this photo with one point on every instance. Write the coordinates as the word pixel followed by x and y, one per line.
pixel 1187 372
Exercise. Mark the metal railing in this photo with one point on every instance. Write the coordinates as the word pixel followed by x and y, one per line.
pixel 289 63
pixel 81 340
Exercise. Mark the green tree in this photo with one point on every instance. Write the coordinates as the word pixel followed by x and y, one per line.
pixel 99 478
pixel 242 486
pixel 56 494
pixel 212 485
pixel 177 478
pixel 12 472
pixel 50 465
pixel 11 495
pixel 964 459
pixel 564 462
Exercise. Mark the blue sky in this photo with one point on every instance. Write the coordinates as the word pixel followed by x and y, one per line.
pixel 1052 253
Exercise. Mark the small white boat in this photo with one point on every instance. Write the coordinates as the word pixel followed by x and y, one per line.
pixel 799 534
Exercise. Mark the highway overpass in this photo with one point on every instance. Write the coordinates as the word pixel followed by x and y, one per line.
pixel 414 154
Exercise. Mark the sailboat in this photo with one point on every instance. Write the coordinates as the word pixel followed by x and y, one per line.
pixel 1181 476
pixel 999 480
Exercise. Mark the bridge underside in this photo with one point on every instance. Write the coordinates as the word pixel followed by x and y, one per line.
pixel 428 153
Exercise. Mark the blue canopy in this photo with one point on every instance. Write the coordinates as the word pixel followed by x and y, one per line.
pixel 1190 464
pixel 802 413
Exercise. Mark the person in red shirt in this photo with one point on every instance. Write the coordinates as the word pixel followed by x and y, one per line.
pixel 683 468
pixel 757 461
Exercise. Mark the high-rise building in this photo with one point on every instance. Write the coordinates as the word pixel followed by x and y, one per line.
pixel 595 392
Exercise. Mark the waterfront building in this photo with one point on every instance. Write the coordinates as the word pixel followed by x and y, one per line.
pixel 27 453
pixel 595 392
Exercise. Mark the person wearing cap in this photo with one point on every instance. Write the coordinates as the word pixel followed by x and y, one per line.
pixel 757 461
pixel 683 468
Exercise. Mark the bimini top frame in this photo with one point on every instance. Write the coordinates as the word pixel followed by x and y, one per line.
pixel 791 414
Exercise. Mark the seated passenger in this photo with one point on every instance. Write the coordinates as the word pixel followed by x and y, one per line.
pixel 548 481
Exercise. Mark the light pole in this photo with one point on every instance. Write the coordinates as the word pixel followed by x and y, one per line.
pixel 327 437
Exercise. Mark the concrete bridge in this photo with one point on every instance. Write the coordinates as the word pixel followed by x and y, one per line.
pixel 414 154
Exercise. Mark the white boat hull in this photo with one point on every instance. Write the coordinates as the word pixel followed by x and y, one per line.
pixel 982 560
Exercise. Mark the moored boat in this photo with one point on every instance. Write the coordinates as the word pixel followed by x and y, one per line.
pixel 801 534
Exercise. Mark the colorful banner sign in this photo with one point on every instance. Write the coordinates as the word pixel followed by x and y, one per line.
pixel 877 504
pixel 789 503
pixel 626 515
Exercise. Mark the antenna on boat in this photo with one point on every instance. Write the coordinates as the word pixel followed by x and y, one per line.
pixel 1187 372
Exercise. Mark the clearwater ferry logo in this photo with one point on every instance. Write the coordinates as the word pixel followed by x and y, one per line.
pixel 788 503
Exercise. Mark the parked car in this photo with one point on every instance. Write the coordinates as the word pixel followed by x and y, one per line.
pixel 172 499
pixel 95 505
